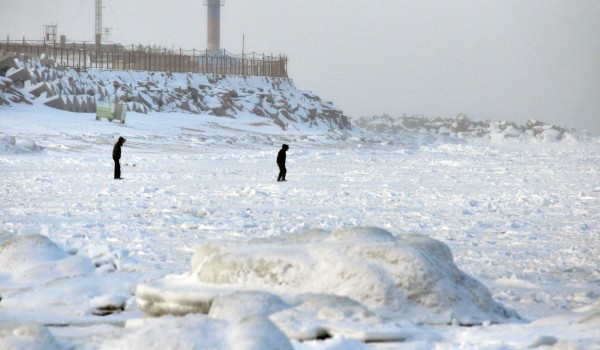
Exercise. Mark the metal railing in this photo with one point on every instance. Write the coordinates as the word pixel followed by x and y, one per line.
pixel 83 56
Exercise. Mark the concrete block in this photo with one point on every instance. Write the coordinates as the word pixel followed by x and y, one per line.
pixel 37 89
pixel 56 102
pixel 70 103
pixel 77 104
pixel 3 101
pixel 189 107
pixel 5 82
pixel 91 105
pixel 7 61
pixel 18 74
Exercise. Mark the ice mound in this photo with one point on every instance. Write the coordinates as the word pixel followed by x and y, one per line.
pixel 31 336
pixel 10 144
pixel 318 284
pixel 200 332
pixel 36 259
pixel 36 274
pixel 588 315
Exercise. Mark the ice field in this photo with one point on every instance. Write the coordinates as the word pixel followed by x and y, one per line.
pixel 521 218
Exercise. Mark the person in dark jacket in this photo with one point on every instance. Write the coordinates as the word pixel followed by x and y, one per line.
pixel 117 156
pixel 281 162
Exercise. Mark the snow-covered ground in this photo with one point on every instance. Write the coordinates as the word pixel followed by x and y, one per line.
pixel 76 246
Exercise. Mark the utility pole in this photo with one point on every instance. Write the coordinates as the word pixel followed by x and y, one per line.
pixel 98 37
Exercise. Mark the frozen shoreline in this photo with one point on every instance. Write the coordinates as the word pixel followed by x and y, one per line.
pixel 523 219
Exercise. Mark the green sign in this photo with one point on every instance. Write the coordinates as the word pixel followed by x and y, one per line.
pixel 110 111
pixel 104 110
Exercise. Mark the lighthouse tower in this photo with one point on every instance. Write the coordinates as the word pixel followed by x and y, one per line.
pixel 213 24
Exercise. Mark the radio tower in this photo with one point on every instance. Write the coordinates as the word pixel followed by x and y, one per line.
pixel 213 24
pixel 98 37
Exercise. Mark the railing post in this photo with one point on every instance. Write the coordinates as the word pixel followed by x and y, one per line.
pixel 152 59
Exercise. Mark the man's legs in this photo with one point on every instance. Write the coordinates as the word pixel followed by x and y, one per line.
pixel 282 172
pixel 117 170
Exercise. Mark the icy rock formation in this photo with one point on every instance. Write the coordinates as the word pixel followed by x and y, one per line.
pixel 423 130
pixel 358 276
pixel 275 99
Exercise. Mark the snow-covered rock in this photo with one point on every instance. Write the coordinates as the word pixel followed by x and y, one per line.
pixel 275 99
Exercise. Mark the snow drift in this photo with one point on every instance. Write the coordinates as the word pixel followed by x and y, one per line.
pixel 357 275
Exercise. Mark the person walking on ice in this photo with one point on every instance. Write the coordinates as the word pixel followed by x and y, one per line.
pixel 117 156
pixel 281 162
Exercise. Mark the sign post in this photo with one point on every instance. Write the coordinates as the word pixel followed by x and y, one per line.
pixel 111 111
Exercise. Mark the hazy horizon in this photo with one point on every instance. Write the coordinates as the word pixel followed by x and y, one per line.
pixel 499 60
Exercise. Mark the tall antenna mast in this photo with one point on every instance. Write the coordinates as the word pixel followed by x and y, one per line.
pixel 50 32
pixel 213 31
pixel 98 37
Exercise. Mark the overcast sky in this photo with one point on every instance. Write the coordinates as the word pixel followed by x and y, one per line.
pixel 500 60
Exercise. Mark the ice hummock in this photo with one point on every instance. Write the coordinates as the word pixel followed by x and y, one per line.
pixel 315 284
pixel 42 282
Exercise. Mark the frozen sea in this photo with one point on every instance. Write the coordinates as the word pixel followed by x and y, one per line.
pixel 522 218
